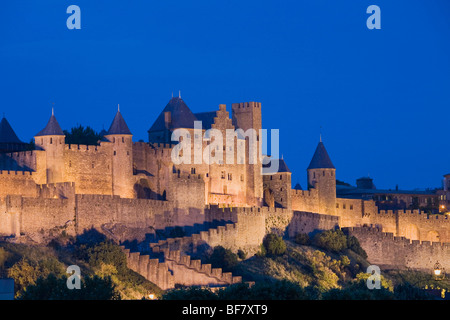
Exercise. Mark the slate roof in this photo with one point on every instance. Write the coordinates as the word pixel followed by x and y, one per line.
pixel 321 159
pixel 282 166
pixel 7 134
pixel 118 126
pixel 181 116
pixel 207 118
pixel 51 129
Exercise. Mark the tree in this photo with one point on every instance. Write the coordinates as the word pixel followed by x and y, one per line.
pixel 82 135
pixel 331 240
pixel 54 288
pixel 274 245
pixel 302 239
pixel 223 258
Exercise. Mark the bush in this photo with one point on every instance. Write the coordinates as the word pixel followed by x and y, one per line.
pixel 189 293
pixel 104 253
pixel 241 254
pixel 54 288
pixel 223 258
pixel 331 240
pixel 302 239
pixel 274 245
pixel 353 244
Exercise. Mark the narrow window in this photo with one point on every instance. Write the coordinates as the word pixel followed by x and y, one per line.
pixel 351 207
pixel 123 140
pixel 51 140
pixel 223 174
pixel 114 152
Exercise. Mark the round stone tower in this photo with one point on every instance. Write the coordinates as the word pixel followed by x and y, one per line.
pixel 122 157
pixel 322 176
pixel 51 140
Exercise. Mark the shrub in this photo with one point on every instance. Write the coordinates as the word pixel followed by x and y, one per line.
pixel 241 254
pixel 189 293
pixel 223 258
pixel 54 288
pixel 331 240
pixel 274 245
pixel 302 239
pixel 354 245
pixel 104 253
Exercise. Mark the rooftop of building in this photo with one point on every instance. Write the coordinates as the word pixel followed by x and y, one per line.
pixel 7 134
pixel 52 128
pixel 321 159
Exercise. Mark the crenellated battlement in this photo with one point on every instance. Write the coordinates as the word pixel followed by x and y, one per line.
pixel 177 269
pixel 82 147
pixel 246 105
pixel 15 173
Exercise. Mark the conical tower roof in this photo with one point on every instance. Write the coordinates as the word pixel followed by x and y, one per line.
pixel 7 134
pixel 321 159
pixel 52 128
pixel 180 116
pixel 118 126
pixel 282 166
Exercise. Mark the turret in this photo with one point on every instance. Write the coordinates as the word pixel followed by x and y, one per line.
pixel 122 157
pixel 245 116
pixel 322 176
pixel 51 140
pixel 277 186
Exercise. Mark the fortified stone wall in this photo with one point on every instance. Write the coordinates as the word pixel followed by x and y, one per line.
pixel 89 167
pixel 177 269
pixel 386 250
pixel 305 200
pixel 307 222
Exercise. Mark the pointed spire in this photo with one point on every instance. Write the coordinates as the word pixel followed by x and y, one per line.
pixel 321 159
pixel 179 94
pixel 52 128
pixel 118 107
pixel 118 126
pixel 7 134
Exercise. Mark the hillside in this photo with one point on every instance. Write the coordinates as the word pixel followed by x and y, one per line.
pixel 101 262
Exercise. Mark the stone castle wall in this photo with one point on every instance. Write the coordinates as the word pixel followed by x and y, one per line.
pixel 388 251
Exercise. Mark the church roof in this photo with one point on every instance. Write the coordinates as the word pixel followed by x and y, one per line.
pixel 321 159
pixel 118 126
pixel 52 128
pixel 7 134
pixel 180 116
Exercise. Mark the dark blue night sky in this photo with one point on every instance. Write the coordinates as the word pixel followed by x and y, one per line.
pixel 382 97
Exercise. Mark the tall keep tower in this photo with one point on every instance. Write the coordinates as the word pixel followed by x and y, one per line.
pixel 122 157
pixel 247 115
pixel 322 176
pixel 51 140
